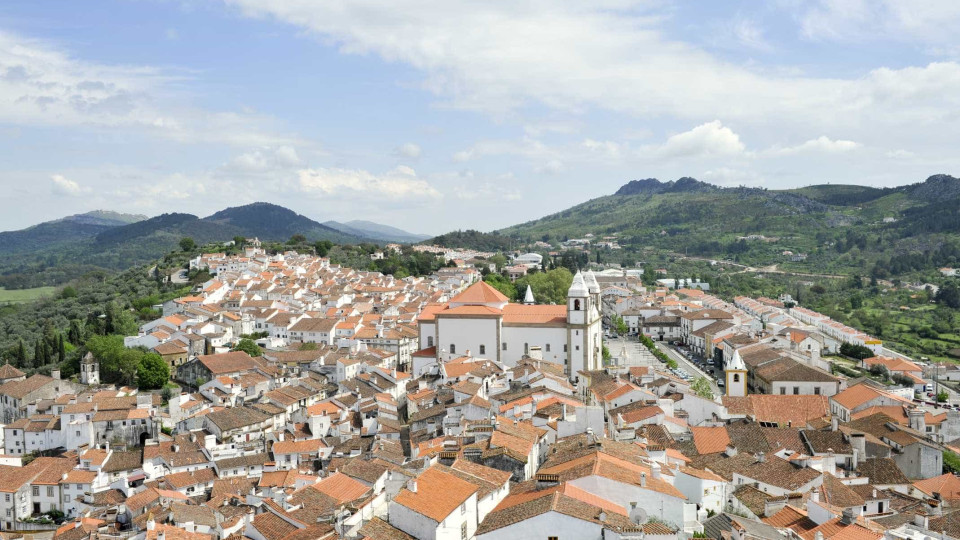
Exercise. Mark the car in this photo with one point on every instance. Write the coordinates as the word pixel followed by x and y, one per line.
pixel 929 394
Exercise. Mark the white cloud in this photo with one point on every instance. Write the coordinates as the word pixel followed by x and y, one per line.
pixel 470 188
pixel 400 183
pixel 41 85
pixel 408 150
pixel 504 55
pixel 821 144
pixel 263 160
pixel 931 23
pixel 709 139
pixel 606 149
pixel 64 186
pixel 900 153
pixel 554 166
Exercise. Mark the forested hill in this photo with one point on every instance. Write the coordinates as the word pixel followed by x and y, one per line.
pixel 902 228
pixel 53 252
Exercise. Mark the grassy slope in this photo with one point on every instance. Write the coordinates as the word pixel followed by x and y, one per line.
pixel 24 295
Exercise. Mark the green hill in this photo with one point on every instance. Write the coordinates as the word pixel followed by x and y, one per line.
pixel 56 251
pixel 841 228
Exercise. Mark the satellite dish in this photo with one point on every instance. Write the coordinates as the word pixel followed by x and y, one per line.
pixel 638 515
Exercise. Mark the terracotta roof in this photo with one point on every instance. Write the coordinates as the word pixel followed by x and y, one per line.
pixel 341 487
pixel 480 293
pixel 783 409
pixel 229 362
pixel 947 485
pixel 710 440
pixel 9 372
pixel 519 314
pixel 438 494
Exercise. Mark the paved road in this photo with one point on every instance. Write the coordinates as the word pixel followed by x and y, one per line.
pixel 689 366
pixel 179 277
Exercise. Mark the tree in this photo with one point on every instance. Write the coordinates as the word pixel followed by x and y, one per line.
pixel 308 346
pixel 297 239
pixel 855 351
pixel 701 387
pixel 620 325
pixel 548 287
pixel 248 346
pixel 61 350
pixel 20 357
pixel 152 373
pixel 38 353
pixel 879 370
pixel 502 284
pixel 949 295
pixel 187 244
pixel 942 396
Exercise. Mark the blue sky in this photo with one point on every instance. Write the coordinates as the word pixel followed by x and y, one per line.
pixel 437 116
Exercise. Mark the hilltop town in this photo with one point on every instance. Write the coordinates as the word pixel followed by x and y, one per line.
pixel 316 401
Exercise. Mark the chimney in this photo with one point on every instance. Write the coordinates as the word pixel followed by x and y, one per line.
pixel 761 458
pixel 151 524
pixel 730 451
pixel 818 536
pixel 55 373
pixel 918 419
pixel 412 485
pixel 643 479
pixel 848 517
pixel 858 442
pixel 655 471
pixel 834 423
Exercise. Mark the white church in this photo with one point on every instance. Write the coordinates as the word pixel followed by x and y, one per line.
pixel 481 322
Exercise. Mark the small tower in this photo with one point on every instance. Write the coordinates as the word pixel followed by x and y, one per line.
pixel 578 301
pixel 89 370
pixel 736 376
pixel 528 297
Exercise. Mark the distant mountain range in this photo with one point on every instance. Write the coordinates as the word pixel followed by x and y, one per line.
pixel 110 240
pixel 896 229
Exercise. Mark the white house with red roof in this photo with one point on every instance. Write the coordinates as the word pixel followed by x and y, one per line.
pixel 482 322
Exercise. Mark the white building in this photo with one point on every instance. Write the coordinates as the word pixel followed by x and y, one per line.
pixel 481 322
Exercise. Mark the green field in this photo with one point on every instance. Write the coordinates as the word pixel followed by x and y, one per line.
pixel 24 295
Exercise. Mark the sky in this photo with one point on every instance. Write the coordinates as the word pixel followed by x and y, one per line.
pixel 437 116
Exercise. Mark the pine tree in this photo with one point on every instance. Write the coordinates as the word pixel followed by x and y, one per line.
pixel 38 354
pixel 61 350
pixel 21 357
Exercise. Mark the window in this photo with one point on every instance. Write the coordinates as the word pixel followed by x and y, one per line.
pixel 453 349
pixel 578 347
pixel 504 345
pixel 783 391
pixel 548 347
pixel 564 348
pixel 816 390
pixel 6 498
pixel 79 487
pixel 463 508
pixel 49 491
pixel 429 341
pixel 796 390
pixel 463 531
pixel 576 305
pixel 553 538
pixel 483 349
pixel 736 377
pixel 526 348
pixel 36 491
